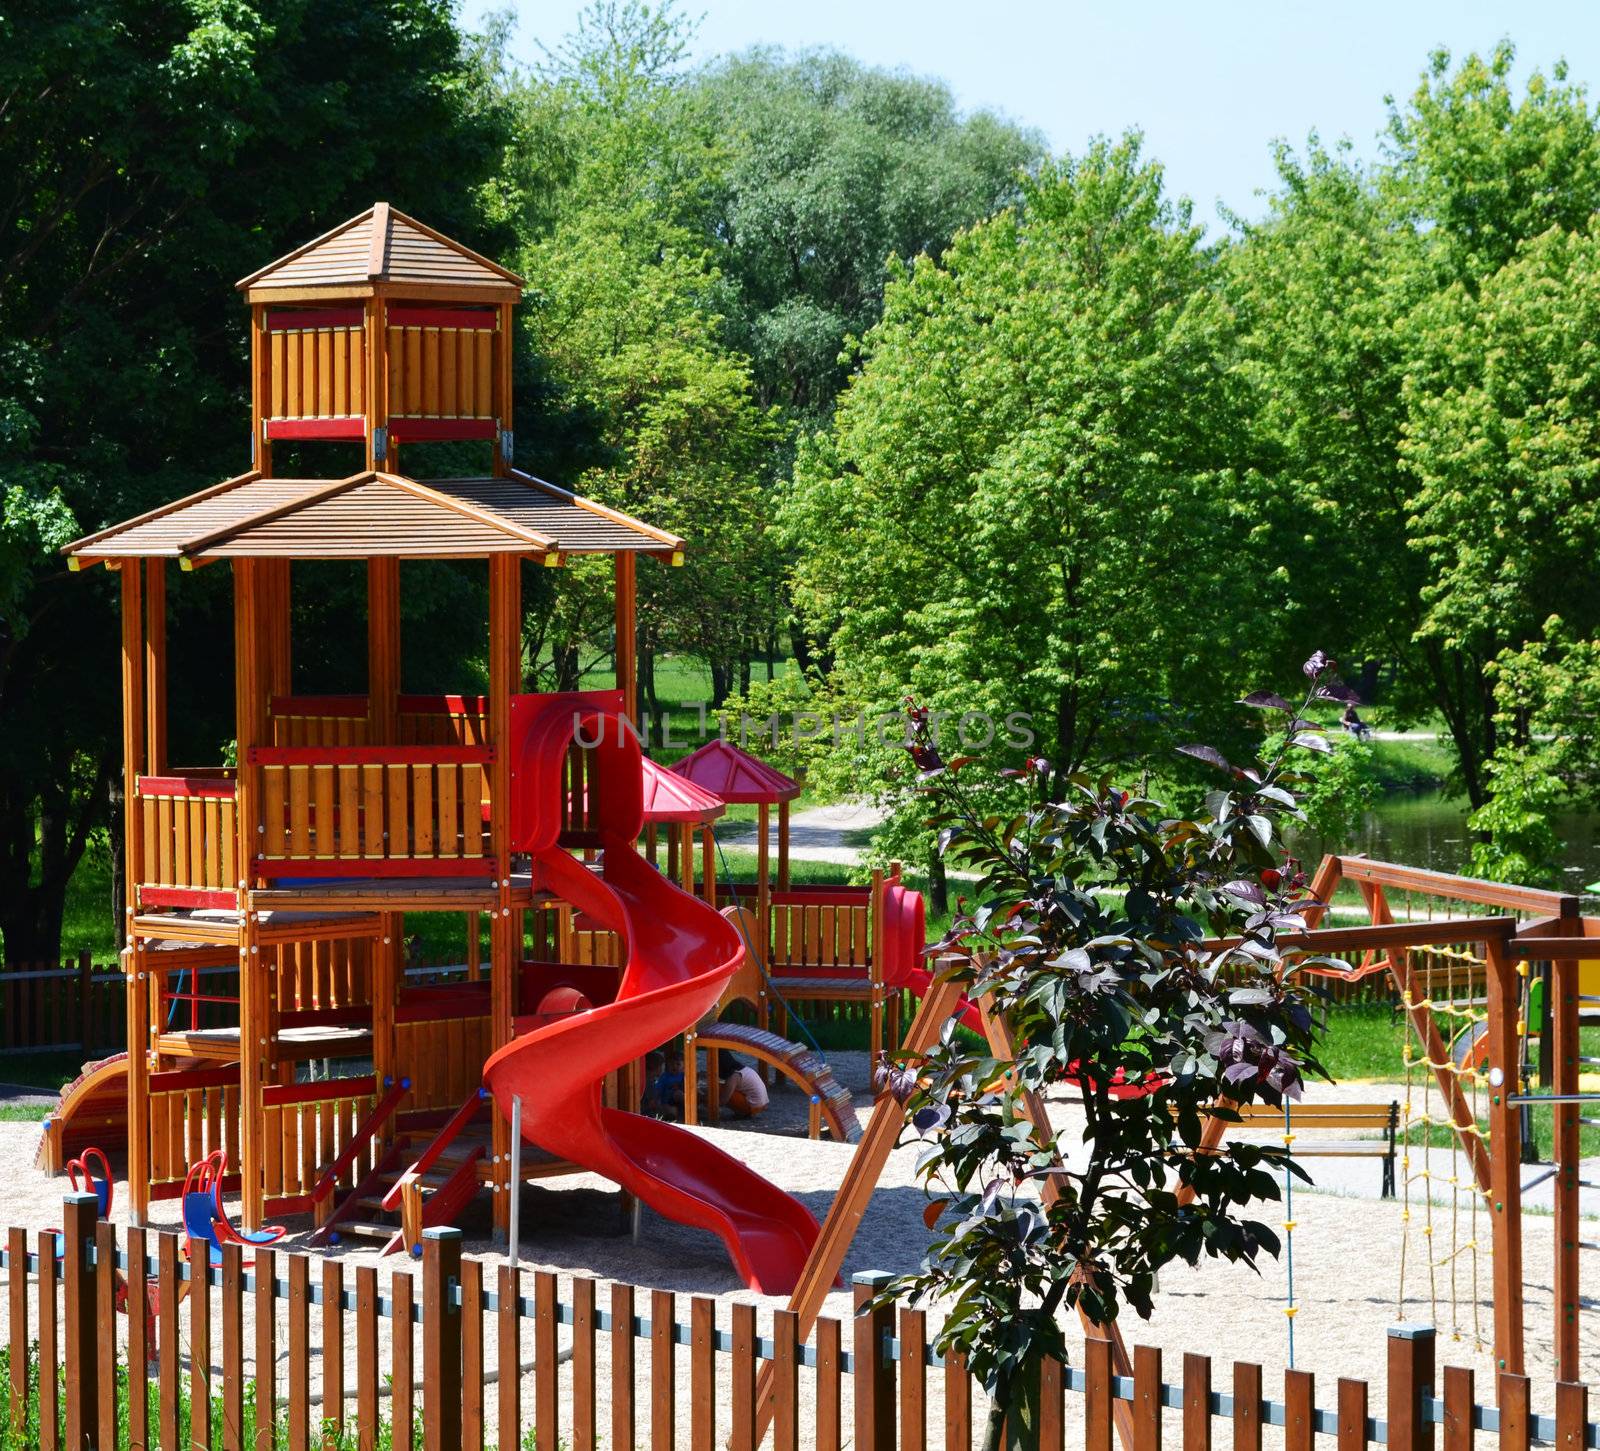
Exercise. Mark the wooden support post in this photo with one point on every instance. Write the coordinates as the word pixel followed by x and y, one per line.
pixel 763 882
pixel 685 835
pixel 855 1192
pixel 83 1368
pixel 376 364
pixel 875 970
pixel 250 725
pixel 1505 1156
pixel 383 650
pixel 505 676
pixel 874 1370
pixel 388 953
pixel 502 390
pixel 260 391
pixel 1411 1353
pixel 133 733
pixel 441 1339
pixel 708 863
pixel 1563 993
pixel 783 846
pixel 627 652
pixel 138 1029
pixel 155 663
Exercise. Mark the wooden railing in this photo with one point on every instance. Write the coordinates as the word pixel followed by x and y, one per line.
pixel 343 720
pixel 308 1127
pixel 814 927
pixel 443 1036
pixel 873 1377
pixel 193 1112
pixel 188 827
pixel 371 810
pixel 79 1005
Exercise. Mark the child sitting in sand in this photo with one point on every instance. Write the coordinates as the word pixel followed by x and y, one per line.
pixel 743 1093
pixel 666 1089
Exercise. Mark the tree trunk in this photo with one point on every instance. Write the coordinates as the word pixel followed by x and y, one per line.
pixel 744 674
pixel 938 883
pixel 119 865
pixel 721 679
pixel 772 655
pixel 565 660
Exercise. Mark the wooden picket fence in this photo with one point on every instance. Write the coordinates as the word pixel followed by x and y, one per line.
pixel 80 1004
pixel 880 1366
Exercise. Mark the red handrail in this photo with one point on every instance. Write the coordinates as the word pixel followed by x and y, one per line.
pixel 432 1154
pixel 186 786
pixel 382 1112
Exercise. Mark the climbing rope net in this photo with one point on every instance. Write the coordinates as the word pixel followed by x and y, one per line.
pixel 1441 1198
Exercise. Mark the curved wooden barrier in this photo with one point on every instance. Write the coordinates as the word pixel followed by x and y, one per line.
pixel 93 1111
pixel 830 1099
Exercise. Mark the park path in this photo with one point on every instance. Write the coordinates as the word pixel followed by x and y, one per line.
pixel 817 834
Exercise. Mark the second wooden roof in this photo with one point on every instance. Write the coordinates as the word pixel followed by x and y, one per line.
pixel 369 515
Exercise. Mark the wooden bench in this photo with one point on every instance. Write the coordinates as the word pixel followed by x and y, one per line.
pixel 1381 1118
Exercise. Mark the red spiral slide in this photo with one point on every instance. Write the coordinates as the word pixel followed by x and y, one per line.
pixel 680 954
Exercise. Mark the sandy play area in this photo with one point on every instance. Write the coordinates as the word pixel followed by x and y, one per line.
pixel 1346 1255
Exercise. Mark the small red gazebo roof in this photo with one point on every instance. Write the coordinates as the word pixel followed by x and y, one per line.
pixel 670 798
pixel 735 775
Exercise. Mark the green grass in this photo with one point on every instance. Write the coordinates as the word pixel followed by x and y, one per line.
pixel 1412 767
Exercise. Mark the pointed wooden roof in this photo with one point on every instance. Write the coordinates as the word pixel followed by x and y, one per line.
pixel 735 775
pixel 381 251
pixel 370 515
pixel 670 797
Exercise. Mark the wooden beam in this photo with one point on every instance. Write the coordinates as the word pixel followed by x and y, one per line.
pixel 505 677
pixel 1505 1157
pixel 383 650
pixel 155 662
pixel 260 390
pixel 376 382
pixel 1413 996
pixel 627 586
pixel 855 1191
pixel 133 754
pixel 250 726
pixel 1454 888
pixel 783 846
pixel 502 389
pixel 1565 1048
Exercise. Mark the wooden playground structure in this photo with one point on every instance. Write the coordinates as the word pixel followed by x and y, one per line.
pixel 342 813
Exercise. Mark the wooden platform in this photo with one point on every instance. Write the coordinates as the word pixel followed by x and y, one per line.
pixel 167 933
pixel 295 1045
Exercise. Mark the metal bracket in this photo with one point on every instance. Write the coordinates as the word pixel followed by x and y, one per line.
pixel 380 442
pixel 507 445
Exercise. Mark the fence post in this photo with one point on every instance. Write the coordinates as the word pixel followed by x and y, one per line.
pixel 441 1339
pixel 86 1002
pixel 1411 1353
pixel 79 1213
pixel 874 1370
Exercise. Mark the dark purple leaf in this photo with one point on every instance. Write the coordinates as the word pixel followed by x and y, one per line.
pixel 1209 754
pixel 1266 700
pixel 1316 663
pixel 1311 742
pixel 1338 690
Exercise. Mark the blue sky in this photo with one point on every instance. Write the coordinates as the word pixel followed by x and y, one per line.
pixel 1210 84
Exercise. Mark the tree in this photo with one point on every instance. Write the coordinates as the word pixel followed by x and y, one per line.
pixel 1502 428
pixel 1089 939
pixel 656 413
pixel 153 154
pixel 1009 514
pixel 833 168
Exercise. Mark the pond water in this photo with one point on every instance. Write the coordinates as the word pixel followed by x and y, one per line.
pixel 1431 831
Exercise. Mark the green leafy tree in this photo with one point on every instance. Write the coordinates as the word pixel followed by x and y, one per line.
pixel 655 413
pixel 1037 443
pixel 1089 937
pixel 151 155
pixel 833 168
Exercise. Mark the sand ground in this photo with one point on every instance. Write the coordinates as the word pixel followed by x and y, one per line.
pixel 1347 1250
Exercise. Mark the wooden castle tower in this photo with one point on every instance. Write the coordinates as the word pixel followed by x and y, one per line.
pixel 293 866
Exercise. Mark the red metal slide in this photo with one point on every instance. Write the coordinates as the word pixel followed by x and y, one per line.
pixel 680 954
